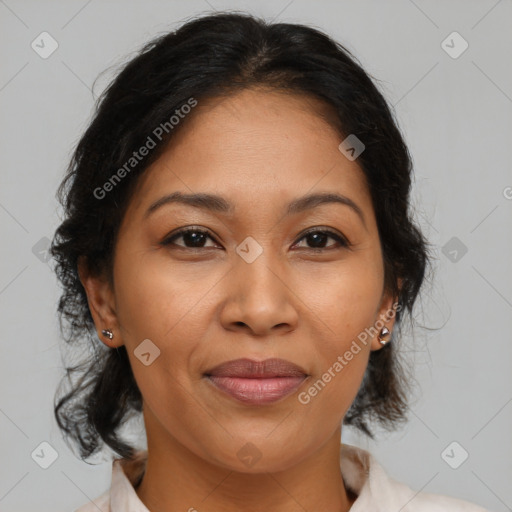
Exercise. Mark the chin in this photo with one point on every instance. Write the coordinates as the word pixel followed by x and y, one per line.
pixel 258 456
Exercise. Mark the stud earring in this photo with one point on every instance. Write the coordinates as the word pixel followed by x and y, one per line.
pixel 108 333
pixel 384 332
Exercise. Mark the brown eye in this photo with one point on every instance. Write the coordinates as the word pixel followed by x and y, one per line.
pixel 318 237
pixel 193 238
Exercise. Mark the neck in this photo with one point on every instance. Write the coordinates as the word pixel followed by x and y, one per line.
pixel 178 479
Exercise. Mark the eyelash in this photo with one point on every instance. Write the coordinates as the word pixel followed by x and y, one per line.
pixel 344 243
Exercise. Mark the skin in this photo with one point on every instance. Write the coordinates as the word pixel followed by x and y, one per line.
pixel 259 149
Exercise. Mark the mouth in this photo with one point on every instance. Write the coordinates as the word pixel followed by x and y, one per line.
pixel 257 382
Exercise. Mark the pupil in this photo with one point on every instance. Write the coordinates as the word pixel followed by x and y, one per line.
pixel 317 236
pixel 194 237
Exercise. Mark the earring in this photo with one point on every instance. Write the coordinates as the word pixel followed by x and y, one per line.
pixel 108 333
pixel 384 332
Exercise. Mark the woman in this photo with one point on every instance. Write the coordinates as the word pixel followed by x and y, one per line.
pixel 238 236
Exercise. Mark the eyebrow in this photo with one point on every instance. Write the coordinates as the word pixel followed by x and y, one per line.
pixel 218 204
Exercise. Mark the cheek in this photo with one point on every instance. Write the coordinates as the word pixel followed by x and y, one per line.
pixel 345 303
pixel 169 303
pixel 157 303
pixel 155 297
pixel 346 298
pixel 165 302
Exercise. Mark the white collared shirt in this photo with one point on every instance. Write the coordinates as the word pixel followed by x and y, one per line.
pixel 362 474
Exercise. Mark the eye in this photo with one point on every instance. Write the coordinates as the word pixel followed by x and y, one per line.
pixel 318 237
pixel 195 237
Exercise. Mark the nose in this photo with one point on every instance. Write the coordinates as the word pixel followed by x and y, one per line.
pixel 259 298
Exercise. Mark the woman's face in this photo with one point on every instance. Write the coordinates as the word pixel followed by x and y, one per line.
pixel 254 287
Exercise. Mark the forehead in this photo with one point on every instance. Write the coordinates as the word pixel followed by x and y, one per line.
pixel 254 147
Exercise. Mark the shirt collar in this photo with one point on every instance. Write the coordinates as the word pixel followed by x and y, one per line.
pixel 360 472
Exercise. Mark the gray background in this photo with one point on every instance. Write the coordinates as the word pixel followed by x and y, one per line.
pixel 456 116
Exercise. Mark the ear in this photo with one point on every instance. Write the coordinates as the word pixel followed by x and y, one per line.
pixel 386 317
pixel 101 300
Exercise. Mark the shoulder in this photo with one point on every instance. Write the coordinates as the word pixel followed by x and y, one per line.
pixel 409 500
pixel 100 504
pixel 426 502
pixel 376 489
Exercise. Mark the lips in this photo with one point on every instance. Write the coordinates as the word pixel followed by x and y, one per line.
pixel 250 369
pixel 257 382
